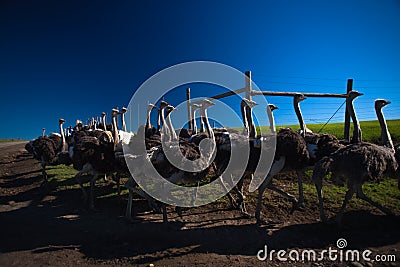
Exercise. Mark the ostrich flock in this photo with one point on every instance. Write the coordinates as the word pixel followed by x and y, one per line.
pixel 96 149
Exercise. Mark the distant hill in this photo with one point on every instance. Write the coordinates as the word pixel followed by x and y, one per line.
pixel 11 140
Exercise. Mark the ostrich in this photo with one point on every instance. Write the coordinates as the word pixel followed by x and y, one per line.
pixel 122 113
pixel 94 155
pixel 29 145
pixel 190 151
pixel 319 145
pixel 291 154
pixel 359 163
pixel 246 107
pixel 157 157
pixel 149 129
pixel 195 107
pixel 46 149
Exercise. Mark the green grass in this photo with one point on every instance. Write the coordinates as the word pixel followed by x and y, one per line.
pixel 371 130
pixel 385 193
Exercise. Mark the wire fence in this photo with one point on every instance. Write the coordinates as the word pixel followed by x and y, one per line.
pixel 323 111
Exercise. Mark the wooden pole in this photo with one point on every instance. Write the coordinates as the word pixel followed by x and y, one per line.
pixel 248 82
pixel 269 93
pixel 346 114
pixel 230 93
pixel 189 110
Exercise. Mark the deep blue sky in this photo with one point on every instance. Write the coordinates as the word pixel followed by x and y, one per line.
pixel 75 59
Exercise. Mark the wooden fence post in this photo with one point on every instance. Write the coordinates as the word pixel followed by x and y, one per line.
pixel 346 114
pixel 248 84
pixel 189 109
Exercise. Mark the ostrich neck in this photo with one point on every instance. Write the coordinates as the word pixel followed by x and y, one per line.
pixel 165 128
pixel 250 122
pixel 244 118
pixel 194 122
pixel 357 134
pixel 300 118
pixel 43 132
pixel 271 120
pixel 207 124
pixel 64 147
pixel 123 122
pixel 159 120
pixel 386 138
pixel 148 124
pixel 115 130
pixel 174 137
pixel 201 123
pixel 103 121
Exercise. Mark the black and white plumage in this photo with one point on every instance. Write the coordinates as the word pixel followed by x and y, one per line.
pixel 291 154
pixel 158 159
pixel 358 163
pixel 49 150
pixel 92 152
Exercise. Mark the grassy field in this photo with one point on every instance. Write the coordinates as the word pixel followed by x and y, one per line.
pixel 371 130
pixel 386 192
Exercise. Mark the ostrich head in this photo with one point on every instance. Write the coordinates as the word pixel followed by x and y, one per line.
pixel 353 94
pixel 150 107
pixel 169 109
pixel 163 104
pixel 298 98
pixel 250 103
pixel 195 107
pixel 114 112
pixel 380 103
pixel 272 107
pixel 205 104
pixel 61 121
pixel 103 113
pixel 123 110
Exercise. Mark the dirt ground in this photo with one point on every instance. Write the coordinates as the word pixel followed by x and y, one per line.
pixel 41 227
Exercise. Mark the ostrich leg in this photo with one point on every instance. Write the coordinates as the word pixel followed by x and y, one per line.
pixel 239 190
pixel 361 195
pixel 221 180
pixel 92 185
pixel 44 173
pixel 300 184
pixel 318 186
pixel 347 197
pixel 77 178
pixel 128 212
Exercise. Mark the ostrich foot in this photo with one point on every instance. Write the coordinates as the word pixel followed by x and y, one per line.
pixel 179 211
pixel 261 222
pixel 246 215
pixel 296 206
pixel 301 205
pixel 45 186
